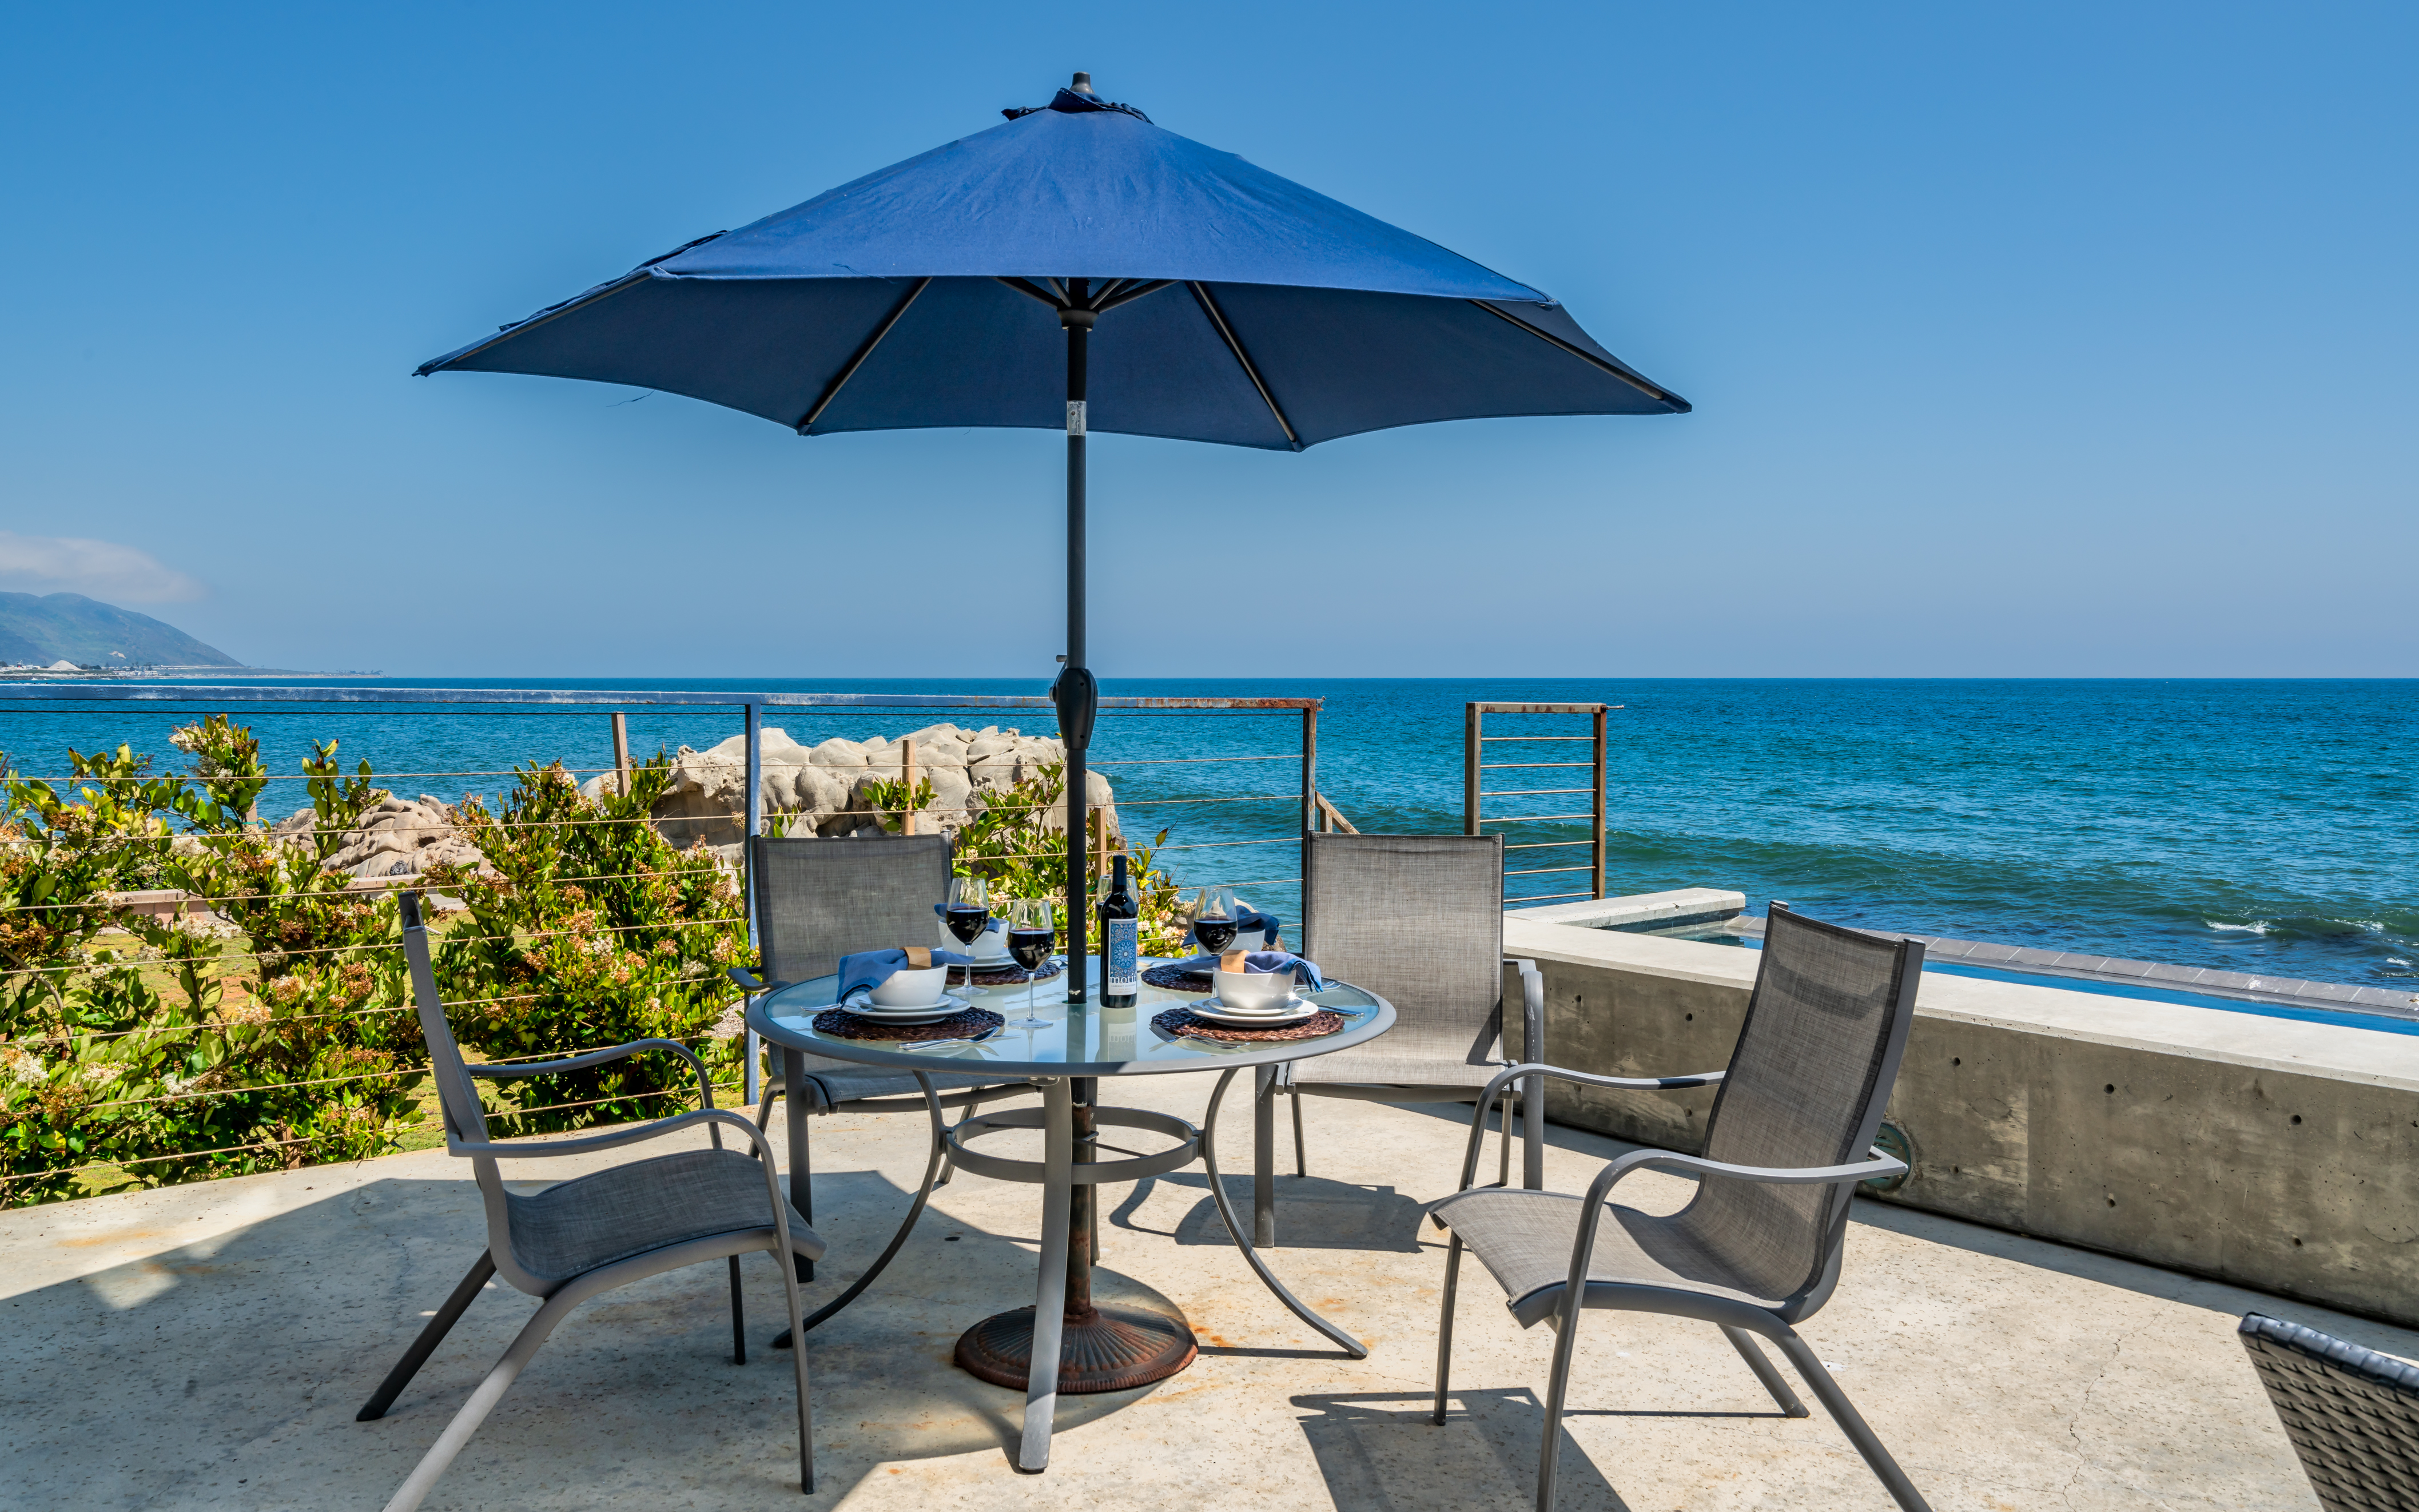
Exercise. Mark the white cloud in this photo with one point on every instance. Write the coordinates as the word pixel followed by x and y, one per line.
pixel 97 569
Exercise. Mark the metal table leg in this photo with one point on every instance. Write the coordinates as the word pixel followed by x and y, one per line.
pixel 794 1109
pixel 1351 1346
pixel 1049 1294
pixel 1264 1157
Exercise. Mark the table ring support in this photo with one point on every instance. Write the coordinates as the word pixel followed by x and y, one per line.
pixel 1133 1168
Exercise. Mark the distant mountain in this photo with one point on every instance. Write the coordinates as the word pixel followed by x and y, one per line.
pixel 42 629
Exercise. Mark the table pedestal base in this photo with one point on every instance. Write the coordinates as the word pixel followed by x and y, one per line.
pixel 1106 1348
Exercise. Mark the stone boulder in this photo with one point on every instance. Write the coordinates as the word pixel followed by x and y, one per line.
pixel 396 837
pixel 824 789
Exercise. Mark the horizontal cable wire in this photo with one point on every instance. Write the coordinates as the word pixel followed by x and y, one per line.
pixel 339 895
pixel 1548 871
pixel 274 1021
pixel 1530 818
pixel 1589 738
pixel 390 944
pixel 1506 767
pixel 331 1081
pixel 1533 792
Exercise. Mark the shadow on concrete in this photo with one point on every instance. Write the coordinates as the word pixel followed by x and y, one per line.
pixel 227 1372
pixel 1378 1451
pixel 1312 1213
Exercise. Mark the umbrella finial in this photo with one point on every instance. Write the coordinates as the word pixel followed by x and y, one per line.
pixel 1083 85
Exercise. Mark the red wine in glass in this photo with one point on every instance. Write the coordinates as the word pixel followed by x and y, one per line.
pixel 1213 935
pixel 1031 947
pixel 967 923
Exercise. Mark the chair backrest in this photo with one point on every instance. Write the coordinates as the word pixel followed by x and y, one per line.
pixel 2351 1413
pixel 1419 921
pixel 457 1096
pixel 818 900
pixel 1813 1071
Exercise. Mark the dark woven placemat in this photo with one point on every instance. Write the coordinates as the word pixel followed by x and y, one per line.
pixel 1182 1021
pixel 1173 981
pixel 964 1024
pixel 1014 976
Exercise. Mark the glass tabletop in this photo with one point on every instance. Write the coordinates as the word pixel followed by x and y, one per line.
pixel 1079 1040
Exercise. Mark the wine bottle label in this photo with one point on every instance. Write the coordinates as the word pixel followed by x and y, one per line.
pixel 1123 973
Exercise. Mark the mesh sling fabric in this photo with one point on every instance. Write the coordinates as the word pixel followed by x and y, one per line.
pixel 1419 921
pixel 818 900
pixel 2351 1413
pixel 580 1226
pixel 1805 1089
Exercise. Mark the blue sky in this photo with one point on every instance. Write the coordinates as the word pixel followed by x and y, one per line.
pixel 2063 340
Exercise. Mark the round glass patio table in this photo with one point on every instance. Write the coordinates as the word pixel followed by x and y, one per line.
pixel 1075 1045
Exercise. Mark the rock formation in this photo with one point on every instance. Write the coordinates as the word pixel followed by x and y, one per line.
pixel 823 788
pixel 396 837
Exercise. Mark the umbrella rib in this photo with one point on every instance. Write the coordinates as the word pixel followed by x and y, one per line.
pixel 1218 318
pixel 1127 295
pixel 1590 358
pixel 1026 289
pixel 831 390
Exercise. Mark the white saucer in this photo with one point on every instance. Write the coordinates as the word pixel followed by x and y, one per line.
pixel 926 1014
pixel 1297 1009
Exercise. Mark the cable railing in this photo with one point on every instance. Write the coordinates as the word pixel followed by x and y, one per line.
pixel 1475 819
pixel 222 946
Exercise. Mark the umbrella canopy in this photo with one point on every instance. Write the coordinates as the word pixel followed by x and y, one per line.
pixel 960 287
pixel 1239 307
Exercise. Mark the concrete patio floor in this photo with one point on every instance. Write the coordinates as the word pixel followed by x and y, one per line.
pixel 207 1346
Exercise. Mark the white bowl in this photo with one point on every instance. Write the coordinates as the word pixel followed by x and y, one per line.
pixel 1253 992
pixel 910 988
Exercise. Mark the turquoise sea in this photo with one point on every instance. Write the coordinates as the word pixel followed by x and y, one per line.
pixel 2264 827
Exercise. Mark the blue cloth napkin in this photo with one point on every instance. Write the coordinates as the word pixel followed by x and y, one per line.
pixel 996 926
pixel 1248 919
pixel 868 969
pixel 1264 960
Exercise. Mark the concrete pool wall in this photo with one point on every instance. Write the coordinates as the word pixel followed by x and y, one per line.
pixel 2267 1153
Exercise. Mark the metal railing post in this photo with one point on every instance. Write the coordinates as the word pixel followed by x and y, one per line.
pixel 1599 801
pixel 621 749
pixel 754 1052
pixel 1469 749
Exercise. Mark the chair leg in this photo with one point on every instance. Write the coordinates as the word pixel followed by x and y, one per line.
pixel 451 1442
pixel 431 1335
pixel 1843 1412
pixel 1445 1326
pixel 1300 1162
pixel 1765 1371
pixel 1549 1453
pixel 738 1317
pixel 798 1362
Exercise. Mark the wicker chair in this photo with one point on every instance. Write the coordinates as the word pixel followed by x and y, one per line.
pixel 1757 1248
pixel 595 1232
pixel 1419 921
pixel 2352 1414
pixel 816 900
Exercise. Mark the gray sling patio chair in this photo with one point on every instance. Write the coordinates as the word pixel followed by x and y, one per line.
pixel 819 900
pixel 594 1232
pixel 1757 1248
pixel 1419 921
pixel 2352 1414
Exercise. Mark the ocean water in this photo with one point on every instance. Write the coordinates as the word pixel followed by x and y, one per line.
pixel 2264 827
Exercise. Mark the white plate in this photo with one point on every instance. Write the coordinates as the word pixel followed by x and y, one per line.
pixel 928 1013
pixel 1297 1009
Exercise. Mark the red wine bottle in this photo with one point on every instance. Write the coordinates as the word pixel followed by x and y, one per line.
pixel 1120 941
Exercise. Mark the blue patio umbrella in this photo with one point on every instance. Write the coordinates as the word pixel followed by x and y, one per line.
pixel 961 286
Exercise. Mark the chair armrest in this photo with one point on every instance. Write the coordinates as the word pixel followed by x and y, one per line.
pixel 1532 1008
pixel 715 1118
pixel 1510 1073
pixel 1591 1207
pixel 750 979
pixel 590 1144
pixel 598 1058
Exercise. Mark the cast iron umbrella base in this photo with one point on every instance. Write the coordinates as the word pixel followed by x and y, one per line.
pixel 1104 1349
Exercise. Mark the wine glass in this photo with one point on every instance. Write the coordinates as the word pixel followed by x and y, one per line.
pixel 1213 919
pixel 968 915
pixel 1032 930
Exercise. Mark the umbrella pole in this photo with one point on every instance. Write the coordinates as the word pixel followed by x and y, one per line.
pixel 1076 693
